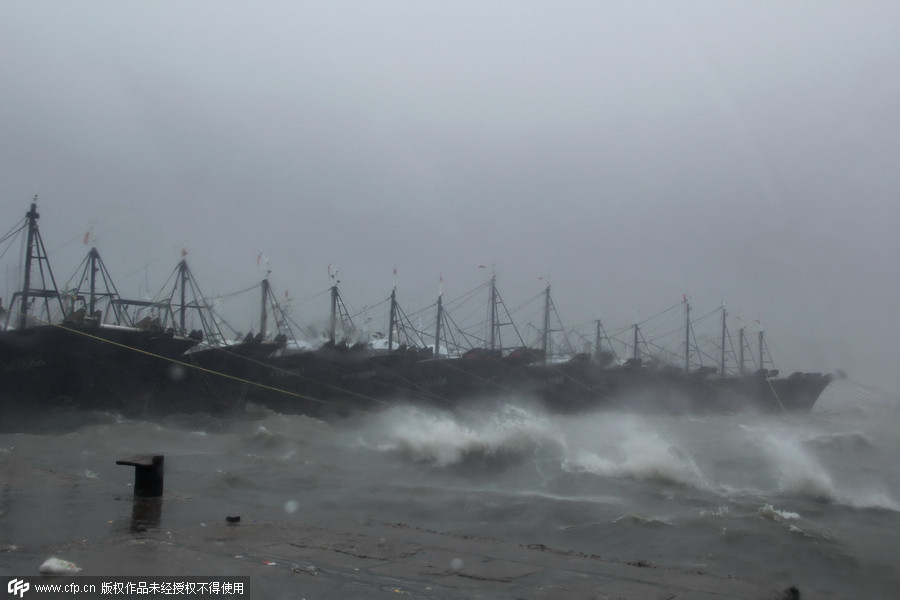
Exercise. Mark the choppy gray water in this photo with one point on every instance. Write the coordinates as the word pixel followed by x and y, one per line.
pixel 809 500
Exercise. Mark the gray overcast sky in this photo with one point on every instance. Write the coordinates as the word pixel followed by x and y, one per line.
pixel 633 152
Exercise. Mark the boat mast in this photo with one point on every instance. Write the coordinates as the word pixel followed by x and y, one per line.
pixel 637 355
pixel 32 217
pixel 545 338
pixel 334 303
pixel 597 340
pixel 687 336
pixel 31 241
pixel 94 256
pixel 95 274
pixel 762 362
pixel 741 352
pixel 437 329
pixel 263 317
pixel 493 312
pixel 183 275
pixel 722 356
pixel 392 319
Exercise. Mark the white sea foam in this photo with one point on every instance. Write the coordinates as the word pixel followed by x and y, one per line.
pixel 630 447
pixel 720 511
pixel 641 520
pixel 444 439
pixel 767 511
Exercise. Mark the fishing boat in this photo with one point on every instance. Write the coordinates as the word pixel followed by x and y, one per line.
pixel 340 378
pixel 56 349
pixel 585 382
pixel 646 383
pixel 88 347
pixel 214 374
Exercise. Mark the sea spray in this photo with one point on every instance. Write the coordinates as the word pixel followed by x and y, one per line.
pixel 442 438
pixel 629 446
pixel 809 463
pixel 799 472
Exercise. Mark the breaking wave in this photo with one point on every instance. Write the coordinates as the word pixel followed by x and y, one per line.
pixel 801 473
pixel 632 448
pixel 621 446
pixel 642 461
pixel 765 458
pixel 443 439
pixel 770 513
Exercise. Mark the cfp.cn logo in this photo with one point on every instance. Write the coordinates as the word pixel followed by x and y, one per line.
pixel 17 587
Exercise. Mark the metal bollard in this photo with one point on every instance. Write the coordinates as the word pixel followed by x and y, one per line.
pixel 148 474
pixel 145 514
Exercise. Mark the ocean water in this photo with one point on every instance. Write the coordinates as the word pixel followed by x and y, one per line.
pixel 811 500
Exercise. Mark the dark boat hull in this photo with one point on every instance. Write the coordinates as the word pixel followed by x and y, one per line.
pixel 320 385
pixel 135 371
pixel 83 366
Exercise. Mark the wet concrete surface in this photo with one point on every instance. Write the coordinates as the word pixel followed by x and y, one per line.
pixel 297 556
